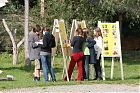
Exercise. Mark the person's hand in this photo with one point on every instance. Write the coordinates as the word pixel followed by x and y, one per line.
pixel 70 40
pixel 68 45
pixel 36 43
pixel 41 40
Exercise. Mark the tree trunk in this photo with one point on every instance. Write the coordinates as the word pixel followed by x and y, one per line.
pixel 42 8
pixel 26 32
pixel 120 23
pixel 15 57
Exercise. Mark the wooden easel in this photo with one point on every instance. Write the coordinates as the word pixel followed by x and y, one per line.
pixel 111 33
pixel 59 32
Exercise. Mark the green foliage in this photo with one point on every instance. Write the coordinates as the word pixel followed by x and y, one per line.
pixel 91 11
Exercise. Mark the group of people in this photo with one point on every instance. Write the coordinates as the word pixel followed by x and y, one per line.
pixel 85 51
pixel 38 50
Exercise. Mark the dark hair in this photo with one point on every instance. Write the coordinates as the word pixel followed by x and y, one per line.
pixel 85 33
pixel 46 29
pixel 36 28
pixel 79 31
pixel 98 30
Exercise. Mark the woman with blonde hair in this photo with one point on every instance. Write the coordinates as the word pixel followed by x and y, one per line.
pixel 98 51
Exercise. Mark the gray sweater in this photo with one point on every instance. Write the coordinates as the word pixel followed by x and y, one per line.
pixel 34 50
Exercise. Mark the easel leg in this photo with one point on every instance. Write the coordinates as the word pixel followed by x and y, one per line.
pixel 121 68
pixel 65 64
pixel 63 72
pixel 103 68
pixel 92 72
pixel 73 77
pixel 112 67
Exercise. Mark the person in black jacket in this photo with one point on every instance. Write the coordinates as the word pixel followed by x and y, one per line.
pixel 48 43
pixel 77 56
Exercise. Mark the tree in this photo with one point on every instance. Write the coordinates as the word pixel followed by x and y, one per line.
pixel 15 47
pixel 26 33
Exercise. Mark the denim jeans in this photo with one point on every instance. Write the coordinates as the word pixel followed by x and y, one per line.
pixel 85 66
pixel 98 68
pixel 46 62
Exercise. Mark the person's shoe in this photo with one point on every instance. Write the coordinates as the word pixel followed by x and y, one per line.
pixel 78 80
pixel 35 78
pixel 95 79
pixel 38 78
pixel 98 79
pixel 85 80
pixel 54 81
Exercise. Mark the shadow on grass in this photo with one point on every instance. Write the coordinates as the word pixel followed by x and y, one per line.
pixel 31 68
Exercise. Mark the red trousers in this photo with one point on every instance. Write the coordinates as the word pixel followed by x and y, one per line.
pixel 76 57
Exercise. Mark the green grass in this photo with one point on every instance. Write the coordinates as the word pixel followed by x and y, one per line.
pixel 23 76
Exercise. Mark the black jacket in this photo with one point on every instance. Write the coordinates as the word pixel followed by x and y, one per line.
pixel 46 46
pixel 90 45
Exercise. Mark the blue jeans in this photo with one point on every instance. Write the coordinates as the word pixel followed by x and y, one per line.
pixel 46 62
pixel 98 68
pixel 85 66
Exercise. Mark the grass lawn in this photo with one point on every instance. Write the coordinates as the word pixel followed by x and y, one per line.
pixel 23 76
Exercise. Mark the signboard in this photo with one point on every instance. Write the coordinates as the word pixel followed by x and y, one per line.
pixel 63 37
pixel 60 32
pixel 111 44
pixel 75 25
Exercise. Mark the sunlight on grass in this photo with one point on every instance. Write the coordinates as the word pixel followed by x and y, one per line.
pixel 23 76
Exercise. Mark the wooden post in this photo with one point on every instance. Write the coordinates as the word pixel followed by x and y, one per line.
pixel 112 67
pixel 121 67
pixel 92 72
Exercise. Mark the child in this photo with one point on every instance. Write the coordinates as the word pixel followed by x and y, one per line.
pixel 46 53
pixel 98 51
pixel 89 54
pixel 34 50
pixel 77 56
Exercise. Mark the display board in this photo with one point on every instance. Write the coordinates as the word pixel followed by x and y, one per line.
pixel 63 37
pixel 111 41
pixel 75 25
pixel 59 32
pixel 111 44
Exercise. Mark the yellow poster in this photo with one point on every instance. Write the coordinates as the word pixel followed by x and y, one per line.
pixel 63 38
pixel 81 25
pixel 110 40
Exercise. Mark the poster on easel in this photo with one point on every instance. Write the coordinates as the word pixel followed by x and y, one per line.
pixel 63 37
pixel 111 44
pixel 75 25
pixel 59 32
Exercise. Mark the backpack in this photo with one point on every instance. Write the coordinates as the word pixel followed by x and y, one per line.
pixel 51 42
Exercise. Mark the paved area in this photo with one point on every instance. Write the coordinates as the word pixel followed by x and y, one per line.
pixel 100 88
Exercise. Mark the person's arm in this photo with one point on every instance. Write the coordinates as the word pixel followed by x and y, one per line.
pixel 44 42
pixel 100 46
pixel 91 42
pixel 32 42
pixel 73 42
